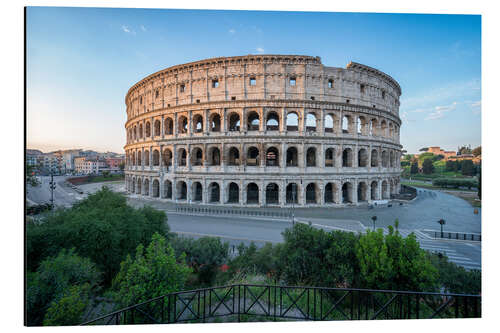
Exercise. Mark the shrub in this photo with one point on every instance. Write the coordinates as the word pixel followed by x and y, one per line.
pixel 70 308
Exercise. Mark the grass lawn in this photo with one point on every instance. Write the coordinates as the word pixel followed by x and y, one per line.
pixel 110 178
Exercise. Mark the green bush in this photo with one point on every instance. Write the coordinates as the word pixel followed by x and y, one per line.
pixel 455 183
pixel 70 308
pixel 454 278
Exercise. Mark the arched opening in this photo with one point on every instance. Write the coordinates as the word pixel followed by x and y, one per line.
pixel 169 126
pixel 234 156
pixel 385 190
pixel 292 157
pixel 311 157
pixel 146 158
pixel 148 129
pixel 292 193
pixel 156 188
pixel 156 157
pixel 272 122
pixel 330 157
pixel 135 132
pixel 197 191
pixel 253 121
pixel 182 157
pixel 311 122
pixel 234 122
pixel 167 189
pixel 197 157
pixel 392 159
pixel 181 190
pixel 374 158
pixel 214 156
pixel 133 186
pixel 272 194
pixel 167 157
pixel 272 157
pixel 253 156
pixel 347 193
pixel 134 161
pixel 362 158
pixel 198 123
pixel 329 123
pixel 252 193
pixel 140 131
pixel 362 191
pixel 139 158
pixel 361 125
pixel 183 125
pixel 383 128
pixel 373 190
pixel 234 193
pixel 373 127
pixel 157 128
pixel 292 122
pixel 145 188
pixel 311 193
pixel 215 123
pixel 345 124
pixel 214 191
pixel 385 159
pixel 391 131
pixel 330 190
pixel 347 158
pixel 139 186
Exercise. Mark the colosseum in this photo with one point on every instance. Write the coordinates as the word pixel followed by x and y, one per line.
pixel 264 130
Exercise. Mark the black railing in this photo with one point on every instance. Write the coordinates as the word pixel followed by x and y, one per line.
pixel 457 235
pixel 242 302
pixel 231 211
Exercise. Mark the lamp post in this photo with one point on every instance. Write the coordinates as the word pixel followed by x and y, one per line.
pixel 442 222
pixel 374 218
pixel 52 186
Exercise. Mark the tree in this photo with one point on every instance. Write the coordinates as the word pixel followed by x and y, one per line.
pixel 70 308
pixel 450 165
pixel 468 168
pixel 122 166
pixel 414 168
pixel 427 166
pixel 30 176
pixel 464 150
pixel 153 272
pixel 476 151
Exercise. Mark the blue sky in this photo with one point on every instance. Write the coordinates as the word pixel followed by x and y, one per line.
pixel 82 61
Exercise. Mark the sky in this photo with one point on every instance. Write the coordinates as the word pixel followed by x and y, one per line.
pixel 82 61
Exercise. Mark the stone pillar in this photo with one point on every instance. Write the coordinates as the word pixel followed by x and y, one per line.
pixel 321 193
pixel 189 190
pixel 379 189
pixel 150 190
pixel 162 129
pixel 262 194
pixel 150 157
pixel 282 194
pixel 190 121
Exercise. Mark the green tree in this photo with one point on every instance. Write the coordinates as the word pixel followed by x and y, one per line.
pixel 427 166
pixel 103 227
pixel 468 168
pixel 122 166
pixel 476 151
pixel 455 279
pixel 70 308
pixel 153 272
pixel 464 150
pixel 414 168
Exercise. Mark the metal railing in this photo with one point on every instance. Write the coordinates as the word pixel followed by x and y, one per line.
pixel 231 211
pixel 458 235
pixel 245 302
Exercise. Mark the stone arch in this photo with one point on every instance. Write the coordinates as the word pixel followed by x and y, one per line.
pixel 197 191
pixel 374 158
pixel 391 159
pixel 167 157
pixel 198 123
pixel 272 157
pixel 169 126
pixel 252 193
pixel 383 128
pixel 330 194
pixel 391 130
pixel 233 193
pixel 346 120
pixel 272 121
pixel 181 190
pixel 292 157
pixel 362 158
pixel 234 122
pixel 196 156
pixel 311 157
pixel 146 157
pixel 145 188
pixel 292 193
pixel 329 123
pixel 385 159
pixel 134 161
pixel 139 186
pixel 347 158
pixel 156 188
pixel 167 189
pixel 214 122
pixel 156 157
pixel 182 157
pixel 148 129
pixel 311 122
pixel 253 156
pixel 373 127
pixel 330 157
pixel 157 126
pixel 272 194
pixel 141 131
pixel 135 132
pixel 133 185
pixel 362 125
pixel 292 121
pixel 233 156
pixel 362 191
pixel 253 121
pixel 182 125
pixel 214 155
pixel 385 190
pixel 214 192
pixel 311 195
pixel 374 190
pixel 347 194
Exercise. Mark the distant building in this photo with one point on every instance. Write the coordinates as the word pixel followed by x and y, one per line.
pixel 113 163
pixel 439 151
pixel 87 165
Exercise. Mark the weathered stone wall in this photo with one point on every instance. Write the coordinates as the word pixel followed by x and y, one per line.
pixel 230 121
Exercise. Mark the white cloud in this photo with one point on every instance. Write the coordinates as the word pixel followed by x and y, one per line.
pixel 260 50
pixel 232 31
pixel 127 30
pixel 143 28
pixel 439 111
pixel 476 107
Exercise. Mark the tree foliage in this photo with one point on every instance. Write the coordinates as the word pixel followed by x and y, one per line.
pixel 468 168
pixel 70 308
pixel 476 151
pixel 427 166
pixel 153 272
pixel 414 168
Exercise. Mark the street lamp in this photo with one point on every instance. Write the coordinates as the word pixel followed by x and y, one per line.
pixel 442 222
pixel 374 218
pixel 52 186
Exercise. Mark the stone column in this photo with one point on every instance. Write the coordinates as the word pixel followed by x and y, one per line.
pixel 262 194
pixel 189 190
pixel 150 191
pixel 162 129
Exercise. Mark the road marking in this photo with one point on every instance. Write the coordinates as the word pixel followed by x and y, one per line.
pixel 453 258
pixel 440 249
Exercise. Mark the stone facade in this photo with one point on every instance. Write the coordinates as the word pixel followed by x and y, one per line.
pixel 264 130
